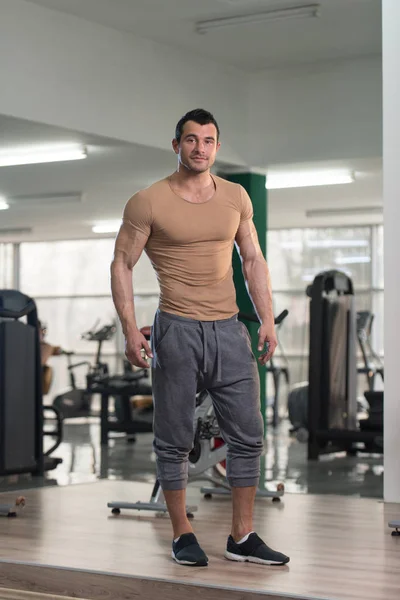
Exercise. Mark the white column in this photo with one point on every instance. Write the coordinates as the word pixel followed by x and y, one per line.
pixel 391 197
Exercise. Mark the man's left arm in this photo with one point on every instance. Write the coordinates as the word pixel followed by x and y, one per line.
pixel 257 278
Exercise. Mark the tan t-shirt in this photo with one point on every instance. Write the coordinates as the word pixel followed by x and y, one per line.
pixel 190 246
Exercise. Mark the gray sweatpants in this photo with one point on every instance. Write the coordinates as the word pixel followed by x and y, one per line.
pixel 190 356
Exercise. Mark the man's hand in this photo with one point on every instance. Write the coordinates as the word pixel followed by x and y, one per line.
pixel 266 335
pixel 135 344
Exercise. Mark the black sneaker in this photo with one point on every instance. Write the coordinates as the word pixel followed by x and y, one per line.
pixel 187 551
pixel 254 550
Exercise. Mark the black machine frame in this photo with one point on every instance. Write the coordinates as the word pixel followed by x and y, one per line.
pixel 332 393
pixel 29 457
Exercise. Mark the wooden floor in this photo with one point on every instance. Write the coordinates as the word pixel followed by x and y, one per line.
pixel 66 543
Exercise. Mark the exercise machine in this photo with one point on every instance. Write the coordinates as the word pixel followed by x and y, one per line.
pixel 76 402
pixel 372 364
pixel 206 459
pixel 22 414
pixel 132 383
pixel 332 389
pixel 130 421
pixel 369 409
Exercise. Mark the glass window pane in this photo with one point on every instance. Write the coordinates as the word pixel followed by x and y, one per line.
pixel 75 267
pixel 363 300
pixel 298 370
pixel 285 258
pixel 68 318
pixel 6 265
pixel 145 309
pixel 144 277
pixel 378 258
pixel 378 323
pixel 293 334
pixel 296 256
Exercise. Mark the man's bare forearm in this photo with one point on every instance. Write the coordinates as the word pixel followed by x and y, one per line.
pixel 122 293
pixel 256 274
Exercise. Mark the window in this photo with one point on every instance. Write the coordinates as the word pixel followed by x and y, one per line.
pixel 70 268
pixel 296 256
pixel 6 266
pixel 70 282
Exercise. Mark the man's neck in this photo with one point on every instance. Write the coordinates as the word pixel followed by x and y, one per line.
pixel 195 181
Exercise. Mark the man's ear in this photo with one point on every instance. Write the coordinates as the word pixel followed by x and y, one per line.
pixel 175 146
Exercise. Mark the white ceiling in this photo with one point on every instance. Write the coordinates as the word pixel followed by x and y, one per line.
pixel 113 171
pixel 345 28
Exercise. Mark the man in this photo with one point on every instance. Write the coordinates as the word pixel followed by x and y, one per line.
pixel 188 224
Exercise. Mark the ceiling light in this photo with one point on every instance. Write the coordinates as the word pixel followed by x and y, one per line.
pixel 337 243
pixel 295 12
pixel 107 227
pixel 41 154
pixel 344 212
pixel 352 260
pixel 325 244
pixel 3 203
pixel 297 179
pixel 292 245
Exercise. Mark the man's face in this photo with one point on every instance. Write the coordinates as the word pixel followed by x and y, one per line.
pixel 198 146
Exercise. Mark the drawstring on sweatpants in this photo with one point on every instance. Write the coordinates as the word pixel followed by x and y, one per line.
pixel 205 356
pixel 219 365
pixel 203 329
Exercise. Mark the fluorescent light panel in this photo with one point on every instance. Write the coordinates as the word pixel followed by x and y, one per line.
pixel 300 179
pixel 352 260
pixel 41 154
pixel 325 244
pixel 3 203
pixel 294 12
pixel 334 212
pixel 337 243
pixel 107 227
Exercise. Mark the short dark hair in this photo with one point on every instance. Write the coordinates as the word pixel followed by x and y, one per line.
pixel 198 115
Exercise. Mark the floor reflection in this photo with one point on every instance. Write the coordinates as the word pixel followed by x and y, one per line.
pixel 285 460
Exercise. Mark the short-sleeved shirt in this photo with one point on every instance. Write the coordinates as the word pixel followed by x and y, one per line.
pixel 190 246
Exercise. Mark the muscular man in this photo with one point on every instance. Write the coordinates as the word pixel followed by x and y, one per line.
pixel 188 224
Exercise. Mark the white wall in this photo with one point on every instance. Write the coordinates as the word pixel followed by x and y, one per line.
pixel 391 153
pixel 322 112
pixel 65 71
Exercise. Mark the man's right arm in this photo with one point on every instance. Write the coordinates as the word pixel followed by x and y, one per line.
pixel 129 246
